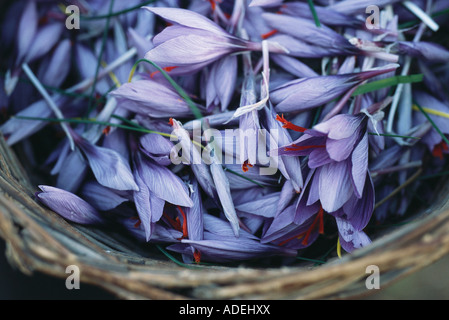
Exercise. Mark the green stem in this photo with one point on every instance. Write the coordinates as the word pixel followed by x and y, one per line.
pixel 432 123
pixel 392 135
pixel 315 15
pixel 385 83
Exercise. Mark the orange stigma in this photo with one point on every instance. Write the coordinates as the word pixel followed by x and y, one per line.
pixel 246 165
pixel 439 149
pixel 269 34
pixel 319 220
pixel 184 223
pixel 289 125
pixel 166 69
pixel 197 256
pixel 107 130
pixel 301 148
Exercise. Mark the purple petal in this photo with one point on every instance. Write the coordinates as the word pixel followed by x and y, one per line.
pixel 341 126
pixel 58 68
pixel 27 28
pixel 100 197
pixel 224 194
pixel 151 98
pixel 326 16
pixel 357 6
pixel 73 173
pixel 306 30
pixel 222 250
pixel 43 41
pixel 157 148
pixel 164 183
pixel 109 167
pixel 266 206
pixel 359 161
pixel 335 185
pixel 68 205
pixel 358 211
pixel 430 51
pixel 149 207
pixel 350 238
pixel 187 18
pixel 307 93
pixel 195 214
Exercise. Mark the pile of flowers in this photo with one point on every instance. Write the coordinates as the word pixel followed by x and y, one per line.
pixel 230 130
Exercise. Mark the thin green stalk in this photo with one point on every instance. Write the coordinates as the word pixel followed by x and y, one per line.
pixel 392 135
pixel 179 263
pixel 91 121
pixel 243 177
pixel 315 15
pixel 434 175
pixel 432 122
pixel 385 83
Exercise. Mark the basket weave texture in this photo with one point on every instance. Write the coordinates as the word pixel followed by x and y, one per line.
pixel 38 240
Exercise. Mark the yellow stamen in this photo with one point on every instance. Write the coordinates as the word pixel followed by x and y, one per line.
pixel 339 248
pixel 432 111
pixel 112 75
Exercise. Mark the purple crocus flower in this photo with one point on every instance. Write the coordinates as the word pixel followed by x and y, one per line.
pixel 69 205
pixel 220 83
pixel 326 15
pixel 156 186
pixel 306 93
pixel 152 98
pixel 193 42
pixel 338 150
pixel 109 167
pixel 221 245
pixel 307 31
pixel 350 7
pixel 431 52
pixel 101 197
pixel 157 147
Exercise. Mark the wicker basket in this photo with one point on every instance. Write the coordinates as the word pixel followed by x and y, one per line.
pixel 38 240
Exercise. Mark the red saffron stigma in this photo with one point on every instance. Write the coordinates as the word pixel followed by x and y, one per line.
pixel 318 220
pixel 269 34
pixel 288 125
pixel 174 223
pixel 166 69
pixel 197 256
pixel 213 5
pixel 138 222
pixel 107 130
pixel 184 223
pixel 246 166
pixel 170 122
pixel 301 148
pixel 439 149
